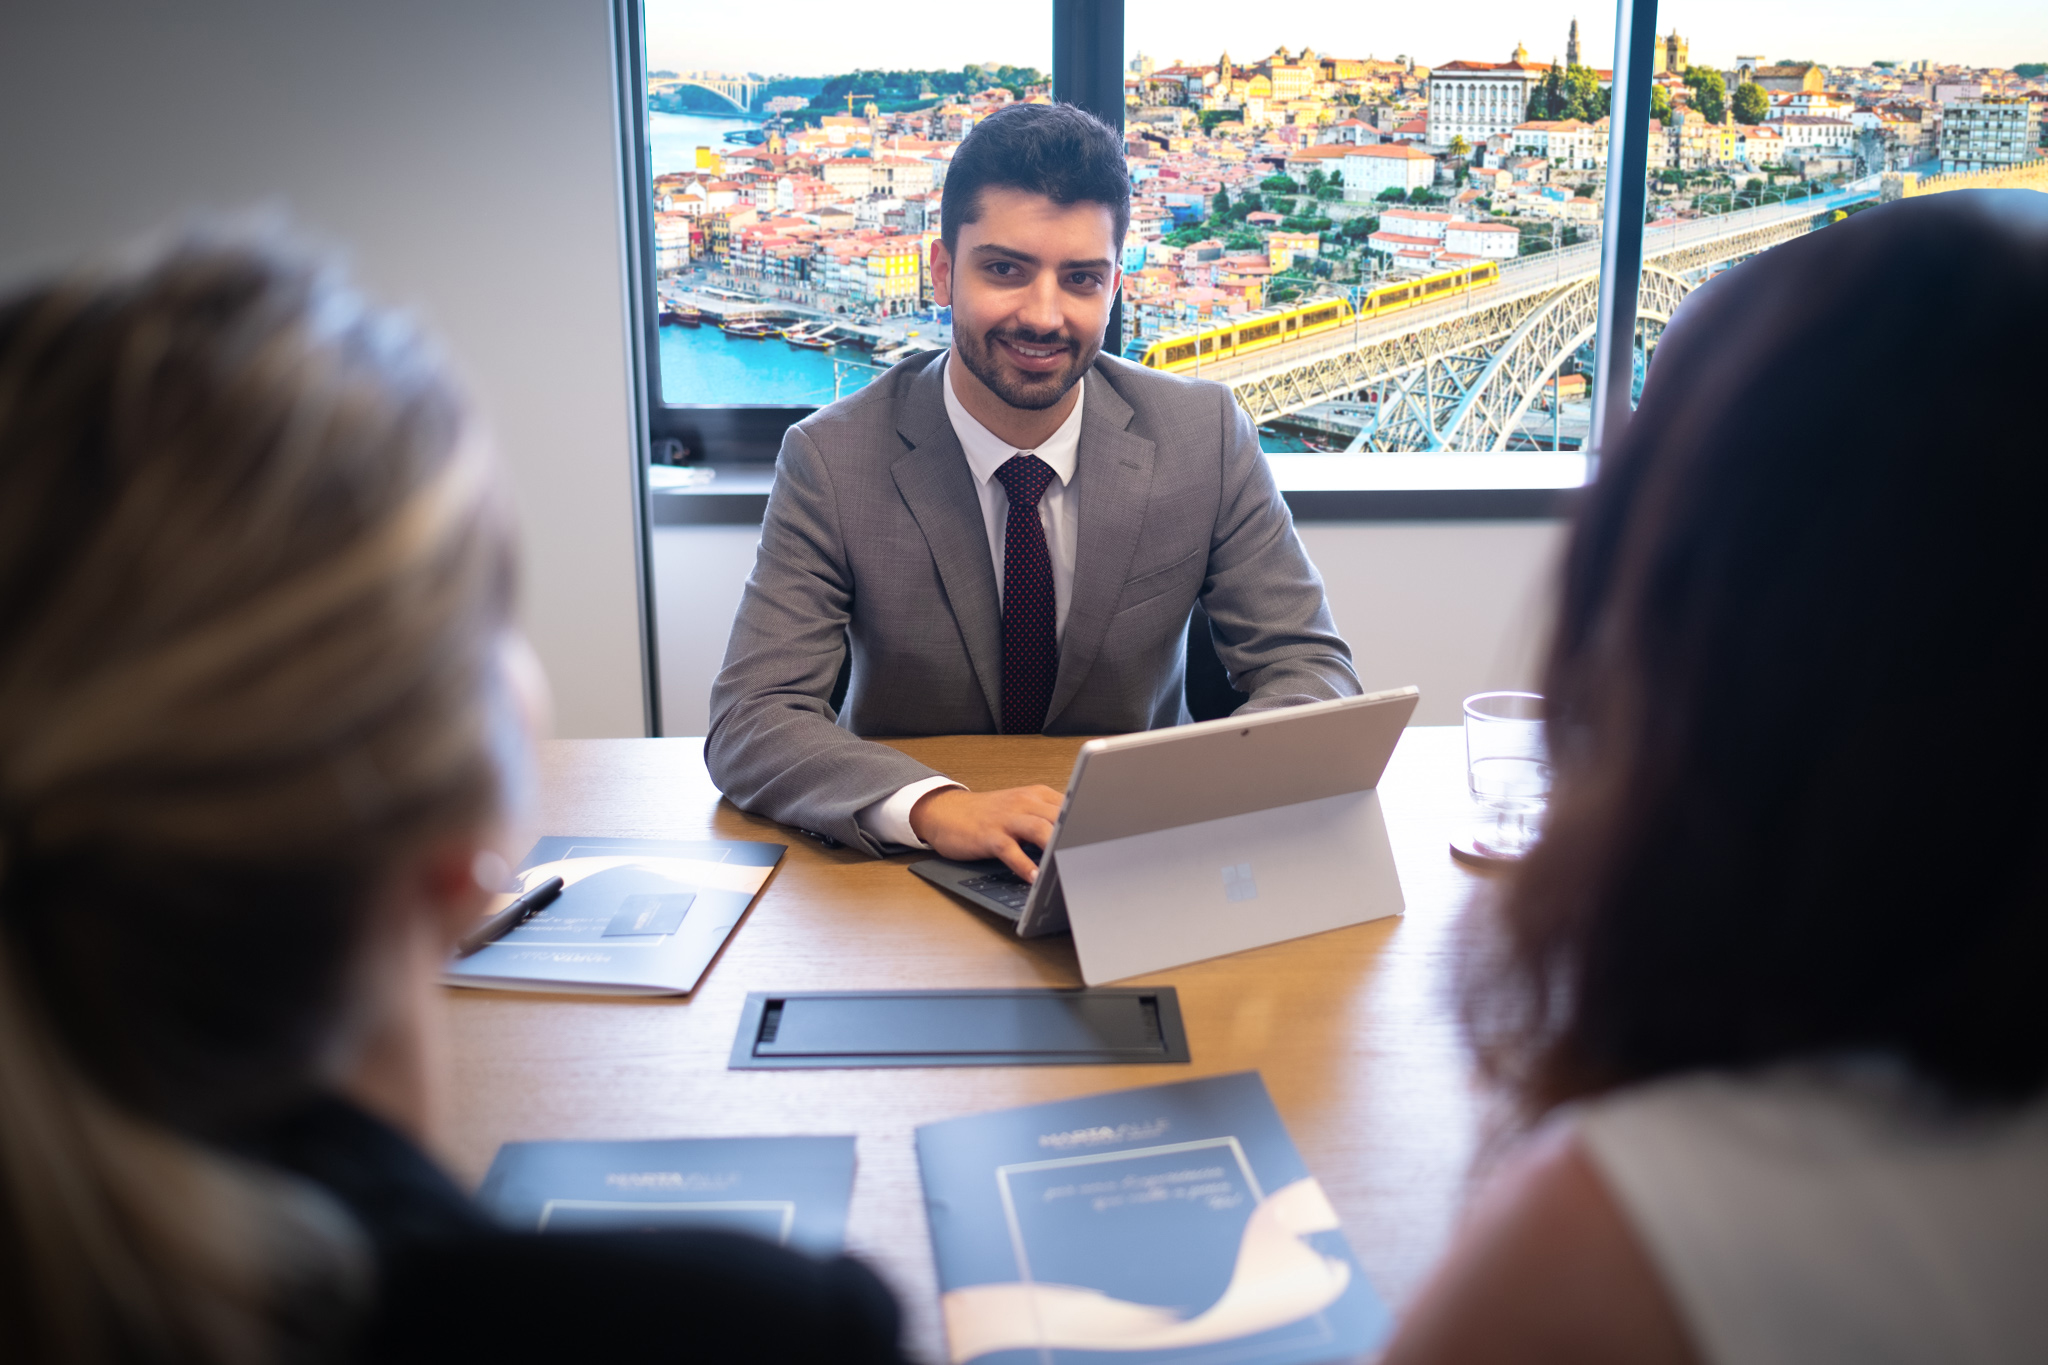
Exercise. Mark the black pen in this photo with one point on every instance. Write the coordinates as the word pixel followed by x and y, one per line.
pixel 510 918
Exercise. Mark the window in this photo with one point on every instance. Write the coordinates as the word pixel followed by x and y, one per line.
pixel 1389 243
pixel 1402 218
pixel 794 172
pixel 1800 130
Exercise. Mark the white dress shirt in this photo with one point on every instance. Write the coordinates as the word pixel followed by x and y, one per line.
pixel 889 819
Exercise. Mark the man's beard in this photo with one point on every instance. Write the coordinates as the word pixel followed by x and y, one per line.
pixel 1032 393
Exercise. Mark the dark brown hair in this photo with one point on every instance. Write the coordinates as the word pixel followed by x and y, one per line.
pixel 1797 682
pixel 1058 150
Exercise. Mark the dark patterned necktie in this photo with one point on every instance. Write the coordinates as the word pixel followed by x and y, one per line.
pixel 1031 647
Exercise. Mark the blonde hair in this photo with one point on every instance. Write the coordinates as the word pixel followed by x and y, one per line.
pixel 254 581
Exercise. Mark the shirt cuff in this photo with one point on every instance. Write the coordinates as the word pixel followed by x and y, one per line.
pixel 888 820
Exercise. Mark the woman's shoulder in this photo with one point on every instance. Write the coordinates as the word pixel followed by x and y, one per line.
pixel 1544 1268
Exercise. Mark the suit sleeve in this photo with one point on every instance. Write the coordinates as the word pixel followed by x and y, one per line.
pixel 775 746
pixel 1270 619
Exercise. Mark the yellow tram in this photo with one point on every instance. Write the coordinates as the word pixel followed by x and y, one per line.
pixel 1277 326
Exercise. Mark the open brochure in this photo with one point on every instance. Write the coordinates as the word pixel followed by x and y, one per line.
pixel 1170 1224
pixel 635 917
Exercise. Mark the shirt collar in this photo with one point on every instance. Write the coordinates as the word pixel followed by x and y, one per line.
pixel 987 452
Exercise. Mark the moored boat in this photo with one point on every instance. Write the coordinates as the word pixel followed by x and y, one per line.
pixel 811 337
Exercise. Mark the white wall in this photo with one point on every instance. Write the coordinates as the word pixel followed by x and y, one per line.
pixel 698 574
pixel 461 153
pixel 1453 607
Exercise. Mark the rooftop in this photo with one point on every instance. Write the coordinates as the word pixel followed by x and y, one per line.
pixel 1508 67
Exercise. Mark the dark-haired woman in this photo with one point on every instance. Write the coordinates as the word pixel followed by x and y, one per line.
pixel 1773 991
pixel 260 710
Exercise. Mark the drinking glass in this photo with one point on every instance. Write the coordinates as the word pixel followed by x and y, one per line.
pixel 1509 769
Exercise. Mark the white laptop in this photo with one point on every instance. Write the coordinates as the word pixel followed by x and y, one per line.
pixel 1188 843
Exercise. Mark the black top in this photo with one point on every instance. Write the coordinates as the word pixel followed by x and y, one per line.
pixel 455 1286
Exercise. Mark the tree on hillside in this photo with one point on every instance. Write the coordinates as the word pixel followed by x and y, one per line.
pixel 1281 184
pixel 1568 93
pixel 1660 104
pixel 1220 205
pixel 1460 147
pixel 1392 194
pixel 1709 93
pixel 1315 181
pixel 911 86
pixel 1751 104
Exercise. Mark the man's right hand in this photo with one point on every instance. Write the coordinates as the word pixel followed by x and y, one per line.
pixel 961 824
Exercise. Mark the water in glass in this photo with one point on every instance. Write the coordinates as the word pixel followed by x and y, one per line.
pixel 1509 768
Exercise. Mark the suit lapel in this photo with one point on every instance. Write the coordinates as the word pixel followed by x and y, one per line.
pixel 939 489
pixel 1113 479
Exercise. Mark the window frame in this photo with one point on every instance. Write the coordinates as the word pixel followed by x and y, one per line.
pixel 1087 69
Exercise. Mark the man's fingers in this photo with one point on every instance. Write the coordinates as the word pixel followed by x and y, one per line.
pixel 1014 858
pixel 1031 829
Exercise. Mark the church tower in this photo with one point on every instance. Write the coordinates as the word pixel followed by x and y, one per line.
pixel 1677 53
pixel 1571 47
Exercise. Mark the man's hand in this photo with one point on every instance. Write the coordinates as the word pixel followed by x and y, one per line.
pixel 958 823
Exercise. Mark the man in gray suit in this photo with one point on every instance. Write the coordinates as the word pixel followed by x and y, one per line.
pixel 1008 536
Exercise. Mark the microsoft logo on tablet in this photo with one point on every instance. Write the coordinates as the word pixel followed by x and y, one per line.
pixel 1238 884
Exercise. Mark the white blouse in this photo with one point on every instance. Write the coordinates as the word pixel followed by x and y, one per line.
pixel 1819 1215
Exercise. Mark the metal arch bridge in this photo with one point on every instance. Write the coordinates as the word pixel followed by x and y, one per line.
pixel 1460 375
pixel 738 91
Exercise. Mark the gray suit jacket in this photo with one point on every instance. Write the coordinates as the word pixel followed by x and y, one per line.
pixel 874 538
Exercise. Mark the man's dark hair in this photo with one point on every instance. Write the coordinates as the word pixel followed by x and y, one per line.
pixel 1058 150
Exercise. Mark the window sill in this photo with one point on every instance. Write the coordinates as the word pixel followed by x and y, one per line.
pixel 1318 488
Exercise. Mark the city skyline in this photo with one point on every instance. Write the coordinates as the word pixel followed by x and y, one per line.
pixel 1975 33
pixel 816 40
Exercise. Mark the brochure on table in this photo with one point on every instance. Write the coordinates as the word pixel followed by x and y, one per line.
pixel 635 917
pixel 792 1191
pixel 1170 1224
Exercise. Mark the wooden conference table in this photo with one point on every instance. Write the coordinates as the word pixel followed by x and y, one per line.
pixel 1354 1030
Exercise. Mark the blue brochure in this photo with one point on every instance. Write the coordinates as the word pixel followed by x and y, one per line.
pixel 792 1191
pixel 635 917
pixel 1174 1223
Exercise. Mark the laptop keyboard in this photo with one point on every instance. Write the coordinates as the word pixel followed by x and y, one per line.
pixel 1005 888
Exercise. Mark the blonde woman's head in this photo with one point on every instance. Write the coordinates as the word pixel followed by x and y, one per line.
pixel 256 584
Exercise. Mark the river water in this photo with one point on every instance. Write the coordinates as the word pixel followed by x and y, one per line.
pixel 702 364
pixel 673 139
